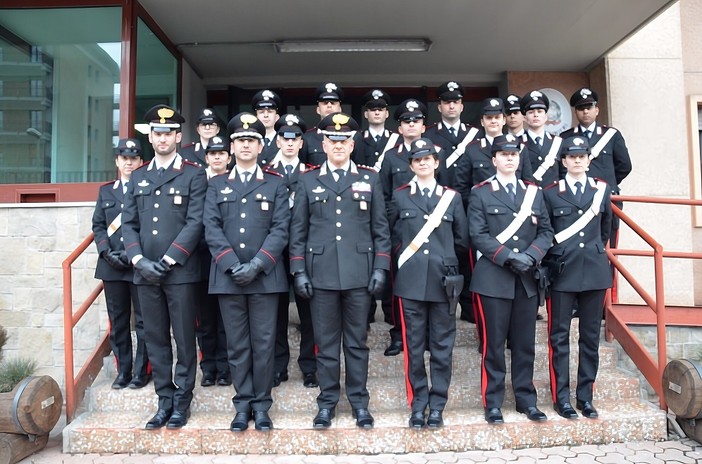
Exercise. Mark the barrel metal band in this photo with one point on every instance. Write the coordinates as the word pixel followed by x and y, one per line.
pixel 15 403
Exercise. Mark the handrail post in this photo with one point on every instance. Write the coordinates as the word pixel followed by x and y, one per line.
pixel 661 322
pixel 68 339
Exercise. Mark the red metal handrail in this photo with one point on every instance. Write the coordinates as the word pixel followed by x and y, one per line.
pixel 616 326
pixel 76 386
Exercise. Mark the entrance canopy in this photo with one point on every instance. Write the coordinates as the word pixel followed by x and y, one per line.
pixel 473 41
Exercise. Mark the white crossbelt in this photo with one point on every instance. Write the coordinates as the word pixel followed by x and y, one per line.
pixel 595 151
pixel 461 147
pixel 583 220
pixel 522 215
pixel 549 160
pixel 114 225
pixel 432 223
pixel 392 141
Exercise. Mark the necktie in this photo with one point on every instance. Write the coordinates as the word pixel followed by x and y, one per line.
pixel 288 170
pixel 246 176
pixel 377 138
pixel 425 194
pixel 339 174
pixel 538 140
pixel 124 186
pixel 510 192
pixel 161 171
pixel 267 141
pixel 578 191
pixel 588 133
pixel 452 130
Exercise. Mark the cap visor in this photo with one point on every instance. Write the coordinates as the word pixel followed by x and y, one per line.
pixel 338 137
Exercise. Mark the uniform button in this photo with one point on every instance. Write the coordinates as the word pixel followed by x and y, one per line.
pixel 156 205
pixel 496 210
pixel 122 205
pixel 560 212
pixel 515 238
pixel 426 240
pixel 481 165
pixel 338 237
pixel 242 245
pixel 155 232
pixel 514 214
pixel 338 224
pixel 338 198
pixel 581 245
pixel 580 211
pixel 426 216
pixel 121 239
pixel 516 250
pixel 338 211
pixel 225 198
pixel 355 195
pixel 157 192
pixel 582 234
pixel 426 252
pixel 540 158
pixel 243 215
pixel 376 153
pixel 242 230
pixel 243 200
pixel 155 219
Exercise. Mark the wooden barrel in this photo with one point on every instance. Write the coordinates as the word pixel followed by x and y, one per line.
pixel 14 448
pixel 33 407
pixel 682 388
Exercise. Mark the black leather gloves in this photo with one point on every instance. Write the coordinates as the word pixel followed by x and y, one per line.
pixel 245 273
pixel 377 282
pixel 116 259
pixel 302 285
pixel 151 270
pixel 520 262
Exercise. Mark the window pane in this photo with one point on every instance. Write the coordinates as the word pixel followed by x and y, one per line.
pixel 59 85
pixel 156 78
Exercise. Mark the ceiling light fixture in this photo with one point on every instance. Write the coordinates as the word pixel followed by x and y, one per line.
pixel 352 45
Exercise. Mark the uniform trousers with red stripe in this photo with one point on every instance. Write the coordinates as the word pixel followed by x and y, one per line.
pixel 500 317
pixel 417 318
pixel 590 320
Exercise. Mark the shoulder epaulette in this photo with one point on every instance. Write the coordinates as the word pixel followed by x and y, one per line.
pixel 191 163
pixel 272 173
pixel 528 182
pixel 367 168
pixel 142 166
pixel 597 179
pixel 112 182
pixel 487 181
pixel 191 144
pixel 550 186
pixel 312 169
pixel 402 187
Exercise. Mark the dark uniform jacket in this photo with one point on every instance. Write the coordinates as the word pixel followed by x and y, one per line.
pixel 539 153
pixel 419 278
pixel 163 216
pixel 613 163
pixel 585 263
pixel 243 222
pixel 108 206
pixel 490 212
pixel 277 167
pixel 195 153
pixel 475 166
pixel 395 170
pixel 339 232
pixel 369 150
pixel 268 153
pixel 441 136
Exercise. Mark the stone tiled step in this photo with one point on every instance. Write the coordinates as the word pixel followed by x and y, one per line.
pixel 386 394
pixel 465 359
pixel 466 334
pixel 465 429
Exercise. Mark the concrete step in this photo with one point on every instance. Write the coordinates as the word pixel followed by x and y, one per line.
pixel 465 429
pixel 386 394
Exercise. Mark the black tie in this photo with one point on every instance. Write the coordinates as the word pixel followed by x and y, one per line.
pixel 538 140
pixel 425 193
pixel 161 171
pixel 267 141
pixel 452 130
pixel 588 133
pixel 125 186
pixel 288 170
pixel 339 174
pixel 510 192
pixel 578 191
pixel 247 177
pixel 377 138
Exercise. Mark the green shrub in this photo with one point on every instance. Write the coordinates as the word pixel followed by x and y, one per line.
pixel 3 339
pixel 12 371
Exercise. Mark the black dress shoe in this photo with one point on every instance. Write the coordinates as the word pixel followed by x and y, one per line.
pixel 394 348
pixel 262 421
pixel 279 378
pixel 208 379
pixel 159 420
pixel 309 380
pixel 363 418
pixel 416 420
pixel 121 381
pixel 533 413
pixel 435 419
pixel 224 380
pixel 240 422
pixel 587 409
pixel 494 416
pixel 323 419
pixel 565 410
pixel 139 381
pixel 178 419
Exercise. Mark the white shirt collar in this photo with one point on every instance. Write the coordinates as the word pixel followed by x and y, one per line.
pixel 375 134
pixel 431 185
pixel 505 180
pixel 533 135
pixel 456 127
pixel 570 180
pixel 590 128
